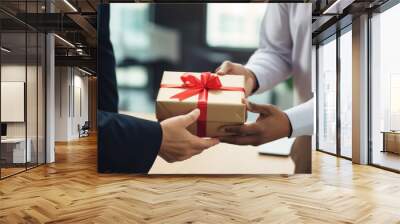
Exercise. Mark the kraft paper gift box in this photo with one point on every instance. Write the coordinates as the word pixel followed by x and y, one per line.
pixel 218 107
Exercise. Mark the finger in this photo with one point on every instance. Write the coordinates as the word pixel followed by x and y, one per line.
pixel 197 151
pixel 241 140
pixel 258 108
pixel 189 118
pixel 201 144
pixel 245 129
pixel 224 68
pixel 245 101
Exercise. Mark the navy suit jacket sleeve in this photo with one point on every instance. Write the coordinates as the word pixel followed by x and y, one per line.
pixel 125 143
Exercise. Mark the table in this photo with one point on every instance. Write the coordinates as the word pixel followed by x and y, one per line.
pixel 223 159
pixel 16 153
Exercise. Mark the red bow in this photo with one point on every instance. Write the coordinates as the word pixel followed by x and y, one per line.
pixel 195 86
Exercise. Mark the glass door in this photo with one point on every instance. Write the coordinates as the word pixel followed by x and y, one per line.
pixel 22 76
pixel 14 154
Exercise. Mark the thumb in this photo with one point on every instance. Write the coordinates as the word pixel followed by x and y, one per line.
pixel 258 108
pixel 205 143
pixel 190 118
pixel 224 68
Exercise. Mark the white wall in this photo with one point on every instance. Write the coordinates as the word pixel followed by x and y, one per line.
pixel 80 97
pixel 62 81
pixel 71 94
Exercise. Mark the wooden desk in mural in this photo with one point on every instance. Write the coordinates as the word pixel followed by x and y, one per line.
pixel 223 159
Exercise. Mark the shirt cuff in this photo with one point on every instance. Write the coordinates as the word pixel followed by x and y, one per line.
pixel 257 71
pixel 301 118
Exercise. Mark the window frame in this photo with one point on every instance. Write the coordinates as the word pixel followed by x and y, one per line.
pixel 332 37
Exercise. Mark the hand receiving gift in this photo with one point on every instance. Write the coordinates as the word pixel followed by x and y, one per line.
pixel 231 68
pixel 271 124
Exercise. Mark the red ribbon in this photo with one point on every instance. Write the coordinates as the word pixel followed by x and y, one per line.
pixel 195 86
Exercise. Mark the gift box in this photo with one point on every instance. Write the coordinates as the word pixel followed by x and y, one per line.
pixel 219 99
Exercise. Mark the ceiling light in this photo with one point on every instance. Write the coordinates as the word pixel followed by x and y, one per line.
pixel 5 50
pixel 337 7
pixel 65 41
pixel 79 51
pixel 70 5
pixel 84 71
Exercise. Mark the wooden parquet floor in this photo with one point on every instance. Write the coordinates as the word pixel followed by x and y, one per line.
pixel 71 191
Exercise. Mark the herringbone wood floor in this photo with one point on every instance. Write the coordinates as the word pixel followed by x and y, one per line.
pixel 71 191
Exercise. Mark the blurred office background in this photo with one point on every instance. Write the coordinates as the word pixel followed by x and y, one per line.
pixel 151 38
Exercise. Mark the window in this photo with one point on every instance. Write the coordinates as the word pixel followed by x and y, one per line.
pixel 333 138
pixel 394 102
pixel 385 89
pixel 234 25
pixel 130 22
pixel 327 97
pixel 346 94
pixel 131 33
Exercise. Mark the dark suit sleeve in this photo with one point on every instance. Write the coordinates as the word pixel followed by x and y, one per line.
pixel 107 99
pixel 127 144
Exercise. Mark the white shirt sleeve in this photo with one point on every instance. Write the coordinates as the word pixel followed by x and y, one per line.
pixel 271 63
pixel 301 117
